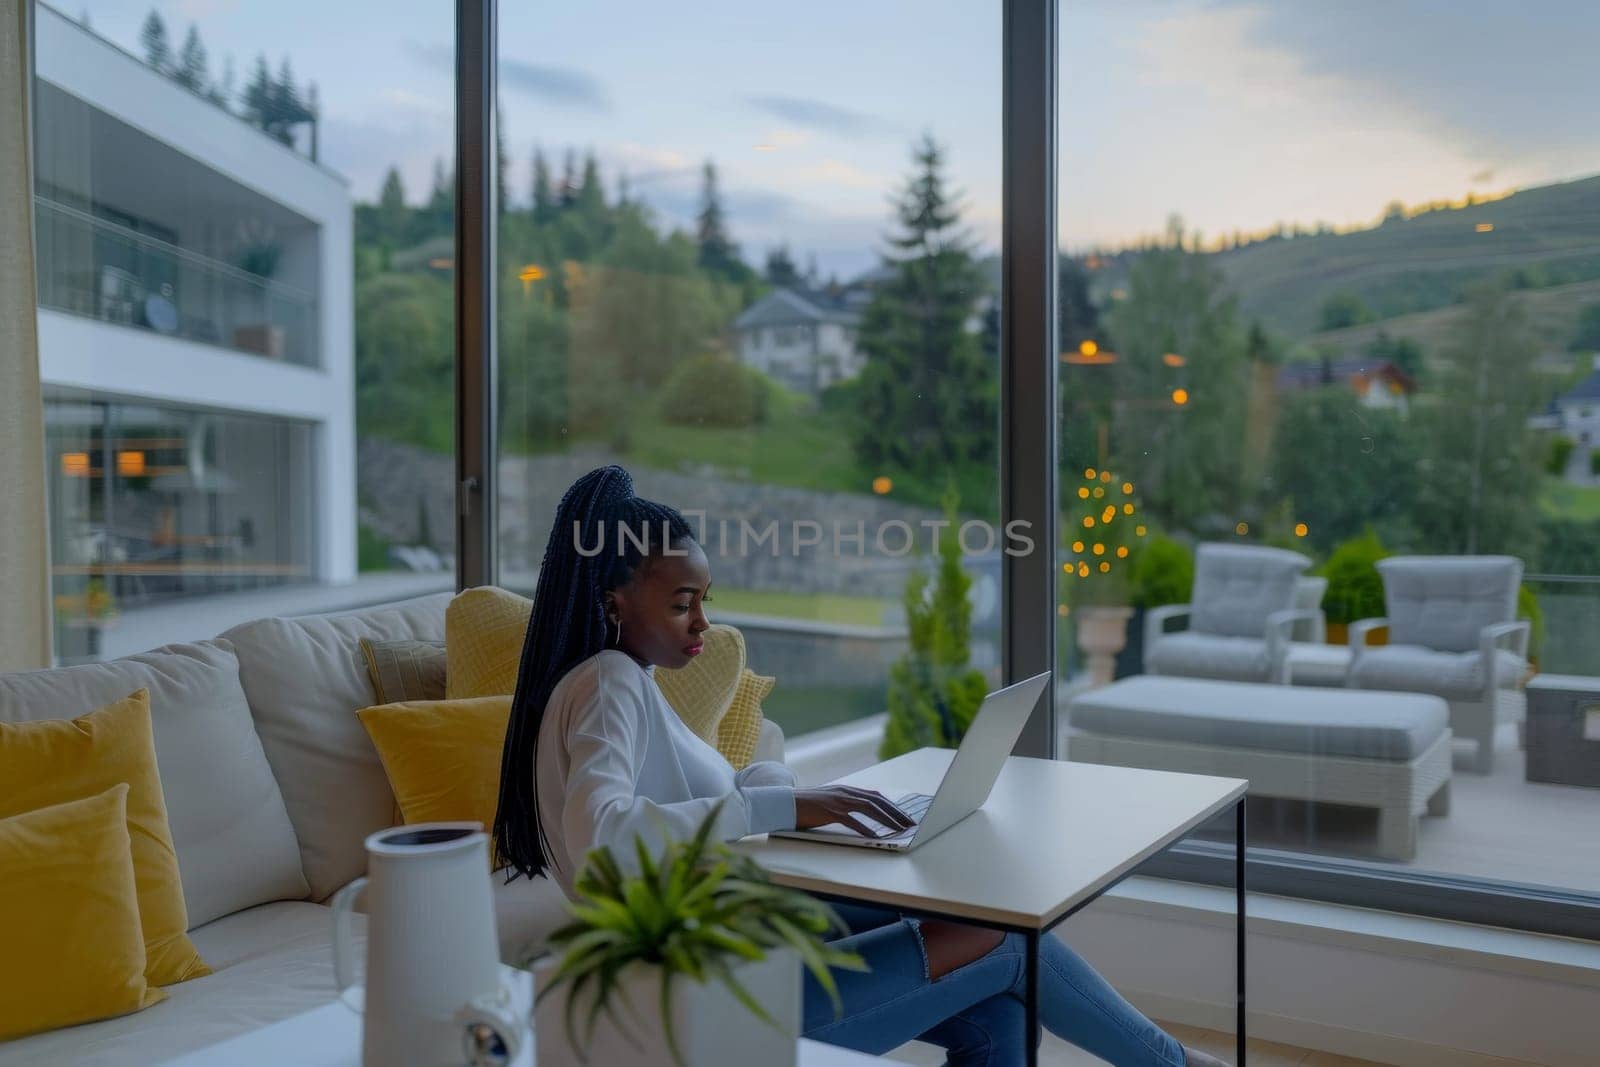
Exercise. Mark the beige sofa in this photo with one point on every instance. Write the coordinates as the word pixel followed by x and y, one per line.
pixel 271 784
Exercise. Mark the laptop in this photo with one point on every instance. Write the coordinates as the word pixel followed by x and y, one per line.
pixel 966 784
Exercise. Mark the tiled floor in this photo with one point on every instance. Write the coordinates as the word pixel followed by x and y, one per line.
pixel 1056 1053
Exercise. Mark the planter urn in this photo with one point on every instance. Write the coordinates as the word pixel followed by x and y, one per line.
pixel 1102 633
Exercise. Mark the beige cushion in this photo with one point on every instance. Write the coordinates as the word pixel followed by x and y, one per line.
pixel 740 734
pixel 230 829
pixel 405 670
pixel 305 678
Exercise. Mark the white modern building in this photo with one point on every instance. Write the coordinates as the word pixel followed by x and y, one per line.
pixel 196 342
pixel 805 339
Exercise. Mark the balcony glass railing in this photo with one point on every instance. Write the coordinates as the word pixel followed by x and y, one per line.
pixel 91 266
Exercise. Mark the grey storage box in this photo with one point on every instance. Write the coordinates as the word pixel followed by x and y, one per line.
pixel 1564 730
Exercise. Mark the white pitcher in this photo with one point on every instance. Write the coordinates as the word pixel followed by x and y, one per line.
pixel 433 993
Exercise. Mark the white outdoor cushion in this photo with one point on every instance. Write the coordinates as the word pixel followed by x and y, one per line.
pixel 269 962
pixel 236 847
pixel 1277 718
pixel 1444 602
pixel 1412 669
pixel 306 679
pixel 1236 587
pixel 1198 655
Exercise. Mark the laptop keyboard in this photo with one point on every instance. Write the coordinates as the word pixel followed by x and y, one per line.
pixel 914 805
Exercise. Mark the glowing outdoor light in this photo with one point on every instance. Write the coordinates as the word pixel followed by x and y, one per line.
pixel 1180 396
pixel 75 464
pixel 1242 529
pixel 130 464
pixel 881 485
pixel 1172 359
pixel 1301 529
pixel 1484 227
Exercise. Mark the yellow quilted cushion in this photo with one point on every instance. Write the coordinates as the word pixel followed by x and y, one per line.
pixel 442 757
pixel 702 692
pixel 484 629
pixel 741 726
pixel 69 917
pixel 53 761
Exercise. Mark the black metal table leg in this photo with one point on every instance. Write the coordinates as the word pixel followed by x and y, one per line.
pixel 1030 1019
pixel 1239 938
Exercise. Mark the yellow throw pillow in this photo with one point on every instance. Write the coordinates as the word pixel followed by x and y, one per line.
pixel 484 629
pixel 741 727
pixel 52 761
pixel 442 756
pixel 701 692
pixel 69 917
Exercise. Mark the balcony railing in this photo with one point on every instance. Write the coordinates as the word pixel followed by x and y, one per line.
pixel 91 266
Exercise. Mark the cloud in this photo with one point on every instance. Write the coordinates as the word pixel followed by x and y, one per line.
pixel 562 86
pixel 817 115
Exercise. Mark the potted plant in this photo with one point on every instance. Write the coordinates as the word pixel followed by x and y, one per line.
pixel 1163 573
pixel 1102 530
pixel 1355 588
pixel 690 958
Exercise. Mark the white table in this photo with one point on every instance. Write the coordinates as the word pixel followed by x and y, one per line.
pixel 1052 837
pixel 330 1036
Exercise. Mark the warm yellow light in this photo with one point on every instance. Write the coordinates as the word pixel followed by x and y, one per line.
pixel 1099 492
pixel 1105 568
pixel 1083 492
pixel 1083 570
pixel 1180 396
pixel 1242 529
pixel 1127 488
pixel 1066 568
pixel 1088 348
pixel 1172 359
pixel 1077 546
pixel 75 464
pixel 1099 549
pixel 1484 227
pixel 1089 474
pixel 881 485
pixel 1139 530
pixel 1301 529
pixel 1061 610
pixel 130 464
pixel 1088 522
pixel 441 263
pixel 531 272
pixel 1122 552
pixel 1127 509
pixel 1105 476
pixel 1108 514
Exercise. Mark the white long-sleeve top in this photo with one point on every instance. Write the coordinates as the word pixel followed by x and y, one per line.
pixel 615 761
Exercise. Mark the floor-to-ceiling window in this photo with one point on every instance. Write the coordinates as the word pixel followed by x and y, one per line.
pixel 246 325
pixel 753 258
pixel 1330 285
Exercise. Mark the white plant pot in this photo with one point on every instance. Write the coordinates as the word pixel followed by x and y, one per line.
pixel 1102 633
pixel 711 1026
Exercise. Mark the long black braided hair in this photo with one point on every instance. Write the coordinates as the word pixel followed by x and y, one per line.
pixel 568 625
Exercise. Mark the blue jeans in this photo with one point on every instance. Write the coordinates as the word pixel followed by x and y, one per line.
pixel 975 1012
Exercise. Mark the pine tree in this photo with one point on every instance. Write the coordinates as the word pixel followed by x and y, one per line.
pixel 392 212
pixel 591 202
pixel 781 269
pixel 542 197
pixel 934 691
pixel 256 103
pixel 568 194
pixel 928 398
pixel 286 108
pixel 153 36
pixel 441 196
pixel 192 72
pixel 221 92
pixel 718 254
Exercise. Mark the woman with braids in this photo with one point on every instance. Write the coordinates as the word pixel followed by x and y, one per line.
pixel 595 756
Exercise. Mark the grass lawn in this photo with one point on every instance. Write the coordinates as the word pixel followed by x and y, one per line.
pixel 1566 501
pixel 818 607
pixel 801 710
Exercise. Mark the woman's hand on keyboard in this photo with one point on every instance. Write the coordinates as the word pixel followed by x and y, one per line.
pixel 841 804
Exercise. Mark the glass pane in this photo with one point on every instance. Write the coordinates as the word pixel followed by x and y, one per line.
pixel 772 298
pixel 1329 355
pixel 245 324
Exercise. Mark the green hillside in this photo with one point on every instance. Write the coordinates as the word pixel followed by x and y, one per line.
pixel 1545 236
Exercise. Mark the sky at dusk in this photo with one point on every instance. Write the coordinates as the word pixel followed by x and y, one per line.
pixel 1233 115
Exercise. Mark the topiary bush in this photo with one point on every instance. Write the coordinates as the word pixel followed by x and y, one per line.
pixel 1355 589
pixel 711 390
pixel 1163 573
